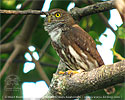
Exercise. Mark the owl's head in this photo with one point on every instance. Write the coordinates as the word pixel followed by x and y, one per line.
pixel 58 17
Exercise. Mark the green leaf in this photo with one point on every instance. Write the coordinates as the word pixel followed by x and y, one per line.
pixel 9 4
pixel 98 24
pixel 120 91
pixel 94 23
pixel 121 32
pixel 98 42
pixel 94 35
pixel 105 35
pixel 119 48
pixel 86 22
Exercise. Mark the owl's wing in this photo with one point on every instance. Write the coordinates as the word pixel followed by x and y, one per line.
pixel 85 42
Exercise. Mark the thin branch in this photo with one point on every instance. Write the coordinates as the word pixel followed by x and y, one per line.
pixel 6 24
pixel 51 58
pixel 24 61
pixel 25 4
pixel 40 69
pixel 85 82
pixel 5 48
pixel 105 20
pixel 21 12
pixel 13 30
pixel 118 56
pixel 9 61
pixel 42 51
pixel 47 64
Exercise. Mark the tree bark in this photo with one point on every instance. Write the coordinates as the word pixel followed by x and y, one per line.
pixel 78 13
pixel 64 86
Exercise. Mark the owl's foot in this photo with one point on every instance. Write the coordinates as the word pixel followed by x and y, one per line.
pixel 69 72
pixel 61 72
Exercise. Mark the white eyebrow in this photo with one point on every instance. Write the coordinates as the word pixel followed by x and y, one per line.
pixel 55 12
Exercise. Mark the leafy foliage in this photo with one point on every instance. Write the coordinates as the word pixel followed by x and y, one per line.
pixel 121 32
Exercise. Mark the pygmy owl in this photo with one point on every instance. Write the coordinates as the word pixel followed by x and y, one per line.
pixel 75 47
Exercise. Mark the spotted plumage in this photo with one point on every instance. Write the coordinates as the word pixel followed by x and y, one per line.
pixel 74 46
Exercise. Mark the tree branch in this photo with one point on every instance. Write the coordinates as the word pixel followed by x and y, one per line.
pixel 40 69
pixel 77 13
pixel 23 61
pixel 86 82
pixel 7 47
pixel 42 51
pixel 13 30
pixel 105 20
pixel 21 12
pixel 9 61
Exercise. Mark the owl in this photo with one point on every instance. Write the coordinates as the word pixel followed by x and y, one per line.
pixel 75 47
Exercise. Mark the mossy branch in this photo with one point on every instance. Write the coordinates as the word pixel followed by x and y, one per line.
pixel 78 13
pixel 64 85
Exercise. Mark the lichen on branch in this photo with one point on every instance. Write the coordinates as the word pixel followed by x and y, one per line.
pixel 86 82
pixel 78 13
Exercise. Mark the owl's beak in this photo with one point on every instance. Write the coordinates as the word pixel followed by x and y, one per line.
pixel 49 18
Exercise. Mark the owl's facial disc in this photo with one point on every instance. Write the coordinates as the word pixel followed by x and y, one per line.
pixel 57 18
pixel 54 17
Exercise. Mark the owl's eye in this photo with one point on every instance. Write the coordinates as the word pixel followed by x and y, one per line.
pixel 58 15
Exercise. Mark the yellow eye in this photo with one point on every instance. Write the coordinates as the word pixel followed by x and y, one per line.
pixel 57 14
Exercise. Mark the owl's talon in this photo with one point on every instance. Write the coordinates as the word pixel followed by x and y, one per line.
pixel 61 72
pixel 71 72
